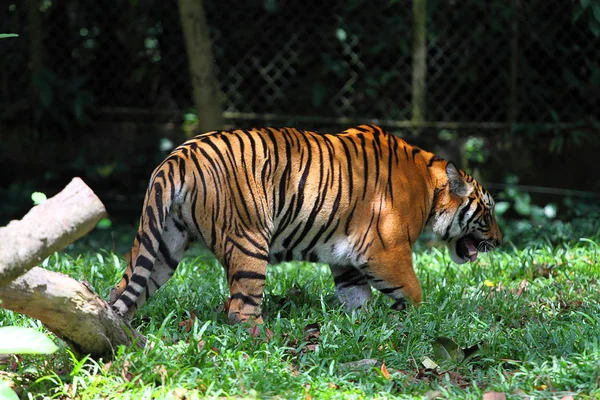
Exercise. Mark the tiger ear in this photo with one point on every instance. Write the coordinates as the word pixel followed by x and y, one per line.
pixel 456 181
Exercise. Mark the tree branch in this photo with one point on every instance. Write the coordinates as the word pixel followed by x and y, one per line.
pixel 47 228
pixel 71 310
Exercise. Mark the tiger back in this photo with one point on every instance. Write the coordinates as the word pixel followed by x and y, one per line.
pixel 356 200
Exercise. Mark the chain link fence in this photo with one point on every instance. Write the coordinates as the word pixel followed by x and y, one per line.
pixel 488 63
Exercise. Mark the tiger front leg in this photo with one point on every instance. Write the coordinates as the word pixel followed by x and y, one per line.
pixel 393 274
pixel 246 276
pixel 351 286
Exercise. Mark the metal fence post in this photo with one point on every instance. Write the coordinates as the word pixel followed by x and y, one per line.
pixel 419 61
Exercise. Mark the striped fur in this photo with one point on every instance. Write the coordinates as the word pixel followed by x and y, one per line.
pixel 356 200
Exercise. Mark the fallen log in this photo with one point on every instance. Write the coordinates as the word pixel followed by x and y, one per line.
pixel 47 228
pixel 70 309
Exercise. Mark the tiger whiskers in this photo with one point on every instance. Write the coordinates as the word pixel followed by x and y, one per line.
pixel 485 246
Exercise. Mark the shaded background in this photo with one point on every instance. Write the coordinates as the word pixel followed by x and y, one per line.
pixel 508 89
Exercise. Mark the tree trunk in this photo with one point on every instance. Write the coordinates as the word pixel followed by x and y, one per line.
pixel 207 96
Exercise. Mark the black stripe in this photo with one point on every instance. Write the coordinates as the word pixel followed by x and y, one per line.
pixel 365 165
pixel 462 213
pixel 144 262
pixel 390 290
pixel 247 275
pixel 171 262
pixel 245 299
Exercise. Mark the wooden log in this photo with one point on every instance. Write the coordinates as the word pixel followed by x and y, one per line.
pixel 71 310
pixel 47 228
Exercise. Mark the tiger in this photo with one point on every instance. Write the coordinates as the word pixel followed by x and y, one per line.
pixel 355 200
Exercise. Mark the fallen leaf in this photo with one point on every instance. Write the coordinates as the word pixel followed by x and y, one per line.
pixel 312 331
pixel 544 270
pixel 125 374
pixel 447 353
pixel 333 386
pixel 255 332
pixel 494 396
pixel 384 371
pixel 179 393
pixel 428 363
pixel 488 283
pixel 361 365
pixel 160 370
pixel 522 287
pixel 107 365
pixel 541 387
pixel 433 394
pixel 310 347
pixel 188 323
pixel 307 395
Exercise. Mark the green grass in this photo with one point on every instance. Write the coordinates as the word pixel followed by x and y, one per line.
pixel 543 341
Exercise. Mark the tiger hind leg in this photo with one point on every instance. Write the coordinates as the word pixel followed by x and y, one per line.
pixel 351 286
pixel 246 275
pixel 171 247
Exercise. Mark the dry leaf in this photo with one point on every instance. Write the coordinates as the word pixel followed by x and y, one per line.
pixel 188 323
pixel 494 396
pixel 333 386
pixel 307 395
pixel 360 365
pixel 522 287
pixel 179 393
pixel 255 332
pixel 125 374
pixel 433 394
pixel 160 370
pixel 107 365
pixel 384 371
pixel 312 331
pixel 310 347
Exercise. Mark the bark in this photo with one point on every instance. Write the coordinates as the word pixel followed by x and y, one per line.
pixel 207 97
pixel 71 310
pixel 48 228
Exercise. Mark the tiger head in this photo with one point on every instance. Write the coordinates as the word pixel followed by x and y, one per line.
pixel 463 215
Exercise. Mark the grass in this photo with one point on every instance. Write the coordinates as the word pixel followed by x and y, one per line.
pixel 533 311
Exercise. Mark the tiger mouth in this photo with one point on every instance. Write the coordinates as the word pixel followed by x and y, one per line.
pixel 467 248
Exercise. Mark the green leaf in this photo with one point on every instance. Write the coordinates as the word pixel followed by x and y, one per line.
pixel 447 353
pixel 38 198
pixel 584 3
pixel 104 223
pixel 341 34
pixel 19 340
pixel 8 35
pixel 550 210
pixel 594 27
pixel 596 11
pixel 501 207
pixel 6 392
